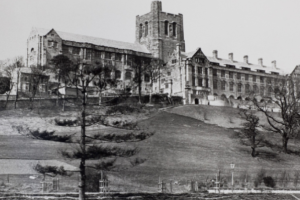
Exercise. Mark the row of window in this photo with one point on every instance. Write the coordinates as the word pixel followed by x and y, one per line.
pixel 202 82
pixel 97 54
pixel 239 87
pixel 239 75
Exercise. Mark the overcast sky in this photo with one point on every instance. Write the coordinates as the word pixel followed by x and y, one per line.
pixel 268 29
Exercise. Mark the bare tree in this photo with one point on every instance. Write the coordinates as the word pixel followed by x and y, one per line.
pixel 250 129
pixel 155 69
pixel 18 64
pixel 283 95
pixel 100 145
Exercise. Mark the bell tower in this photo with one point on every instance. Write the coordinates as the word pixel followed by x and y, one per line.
pixel 160 31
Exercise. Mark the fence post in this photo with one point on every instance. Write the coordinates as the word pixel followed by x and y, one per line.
pixel 164 187
pixel 159 185
pixel 171 186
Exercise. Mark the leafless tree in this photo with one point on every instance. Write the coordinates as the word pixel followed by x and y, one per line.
pixel 100 145
pixel 283 95
pixel 250 130
pixel 155 69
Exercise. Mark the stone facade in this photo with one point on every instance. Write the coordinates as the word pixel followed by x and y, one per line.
pixel 195 76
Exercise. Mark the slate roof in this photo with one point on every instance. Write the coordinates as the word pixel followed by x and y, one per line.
pixel 237 64
pixel 16 166
pixel 94 40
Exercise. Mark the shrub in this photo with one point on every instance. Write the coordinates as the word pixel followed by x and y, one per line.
pixel 66 122
pixel 259 177
pixel 269 181
pixel 122 109
pixel 49 135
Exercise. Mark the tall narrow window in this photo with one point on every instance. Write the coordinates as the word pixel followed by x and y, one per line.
pixel 146 29
pixel 206 71
pixel 230 74
pixel 200 82
pixel 174 29
pixel 239 88
pixel 166 27
pixel 118 74
pixel 215 84
pixel 215 72
pixel 141 30
pixel 88 55
pixel 127 75
pixel 223 85
pixel 222 73
pixel 231 86
pixel 199 70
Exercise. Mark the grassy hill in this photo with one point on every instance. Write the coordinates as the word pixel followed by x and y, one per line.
pixel 183 148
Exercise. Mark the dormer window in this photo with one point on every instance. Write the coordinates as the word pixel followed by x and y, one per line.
pixel 275 73
pixel 230 66
pixel 246 68
pixel 261 71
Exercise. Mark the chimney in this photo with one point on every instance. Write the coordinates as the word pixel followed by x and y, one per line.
pixel 260 61
pixel 246 59
pixel 230 56
pixel 156 6
pixel 215 54
pixel 274 64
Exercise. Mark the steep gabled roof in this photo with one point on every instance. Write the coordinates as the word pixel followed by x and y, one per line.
pixel 94 40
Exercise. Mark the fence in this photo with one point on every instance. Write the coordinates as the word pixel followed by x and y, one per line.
pixel 50 186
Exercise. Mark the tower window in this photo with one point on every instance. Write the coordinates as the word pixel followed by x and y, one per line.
pixel 146 29
pixel 174 29
pixel 166 27
pixel 141 30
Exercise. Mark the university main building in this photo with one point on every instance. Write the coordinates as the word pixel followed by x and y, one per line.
pixel 198 78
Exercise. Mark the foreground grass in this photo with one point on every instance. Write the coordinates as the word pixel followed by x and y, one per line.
pixel 182 149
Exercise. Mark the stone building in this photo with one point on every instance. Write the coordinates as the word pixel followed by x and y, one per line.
pixel 196 77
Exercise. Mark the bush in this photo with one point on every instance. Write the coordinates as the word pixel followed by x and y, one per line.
pixel 122 109
pixel 49 135
pixel 66 122
pixel 259 177
pixel 269 181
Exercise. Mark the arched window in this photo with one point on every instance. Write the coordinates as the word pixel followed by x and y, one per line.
pixel 141 30
pixel 118 74
pixel 146 78
pixel 127 75
pixel 166 28
pixel 146 29
pixel 174 29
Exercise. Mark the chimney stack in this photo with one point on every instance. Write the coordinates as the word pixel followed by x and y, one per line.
pixel 215 54
pixel 260 61
pixel 246 59
pixel 274 64
pixel 230 56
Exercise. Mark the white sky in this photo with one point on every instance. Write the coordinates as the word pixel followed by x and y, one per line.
pixel 268 29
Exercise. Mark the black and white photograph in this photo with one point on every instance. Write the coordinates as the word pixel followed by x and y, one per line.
pixel 150 99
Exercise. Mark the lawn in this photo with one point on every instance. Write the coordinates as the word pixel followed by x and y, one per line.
pixel 182 149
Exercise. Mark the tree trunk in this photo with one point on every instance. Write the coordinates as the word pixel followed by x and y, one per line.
pixel 82 144
pixel 17 90
pixel 100 97
pixel 284 144
pixel 7 97
pixel 253 154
